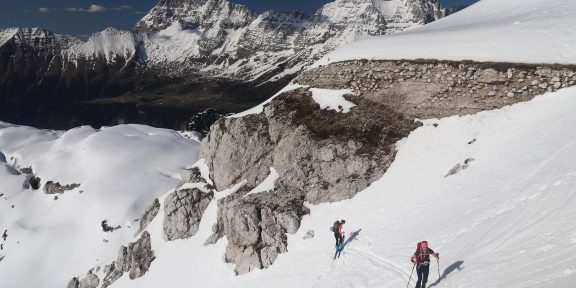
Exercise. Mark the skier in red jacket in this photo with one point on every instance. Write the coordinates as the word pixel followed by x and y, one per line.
pixel 339 233
pixel 421 258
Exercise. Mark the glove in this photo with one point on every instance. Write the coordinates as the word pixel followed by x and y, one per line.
pixel 413 261
pixel 438 255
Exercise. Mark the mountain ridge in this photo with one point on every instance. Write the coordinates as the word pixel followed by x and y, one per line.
pixel 172 53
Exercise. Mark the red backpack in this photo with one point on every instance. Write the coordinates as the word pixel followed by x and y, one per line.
pixel 422 253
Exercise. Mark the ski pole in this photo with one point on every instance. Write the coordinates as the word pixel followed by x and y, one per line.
pixel 438 261
pixel 414 265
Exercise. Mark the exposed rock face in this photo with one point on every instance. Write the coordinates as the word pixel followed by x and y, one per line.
pixel 320 156
pixel 192 175
pixel 149 214
pixel 56 188
pixel 34 182
pixel 330 155
pixel 73 283
pixel 108 228
pixel 183 210
pixel 256 226
pixel 89 281
pixel 140 255
pixel 433 89
pixel 134 260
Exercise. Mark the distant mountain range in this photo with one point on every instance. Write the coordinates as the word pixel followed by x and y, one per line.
pixel 181 58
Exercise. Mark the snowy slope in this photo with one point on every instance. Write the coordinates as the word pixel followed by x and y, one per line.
pixel 6 34
pixel 109 44
pixel 120 171
pixel 530 31
pixel 506 221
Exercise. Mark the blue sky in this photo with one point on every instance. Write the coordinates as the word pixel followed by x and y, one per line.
pixel 82 17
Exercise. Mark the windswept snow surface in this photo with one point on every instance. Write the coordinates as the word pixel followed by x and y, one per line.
pixel 260 107
pixel 267 184
pixel 173 44
pixel 332 99
pixel 528 31
pixel 120 169
pixel 506 221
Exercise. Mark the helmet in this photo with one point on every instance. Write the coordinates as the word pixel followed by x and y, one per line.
pixel 343 221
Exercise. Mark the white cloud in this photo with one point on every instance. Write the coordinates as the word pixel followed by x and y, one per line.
pixel 123 7
pixel 43 10
pixel 94 8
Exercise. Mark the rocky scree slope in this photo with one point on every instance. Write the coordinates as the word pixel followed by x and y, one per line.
pixel 433 89
pixel 180 57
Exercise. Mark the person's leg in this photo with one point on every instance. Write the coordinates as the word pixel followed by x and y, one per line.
pixel 337 239
pixel 419 273
pixel 425 271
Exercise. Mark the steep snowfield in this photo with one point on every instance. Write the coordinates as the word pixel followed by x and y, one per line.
pixel 121 170
pixel 172 44
pixel 110 44
pixel 506 221
pixel 530 31
pixel 6 34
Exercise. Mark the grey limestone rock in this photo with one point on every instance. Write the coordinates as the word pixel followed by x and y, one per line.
pixel 490 76
pixel 192 175
pixel 330 155
pixel 140 256
pixel 320 156
pixel 149 214
pixel 90 281
pixel 309 234
pixel 134 260
pixel 256 226
pixel 57 188
pixel 225 136
pixel 73 283
pixel 183 210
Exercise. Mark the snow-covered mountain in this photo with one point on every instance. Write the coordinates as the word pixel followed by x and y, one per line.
pixel 228 34
pixel 176 48
pixel 219 37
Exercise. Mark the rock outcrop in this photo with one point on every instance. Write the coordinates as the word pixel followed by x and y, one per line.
pixel 192 175
pixel 89 281
pixel 328 154
pixel 134 260
pixel 149 214
pixel 256 226
pixel 320 156
pixel 57 188
pixel 183 211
